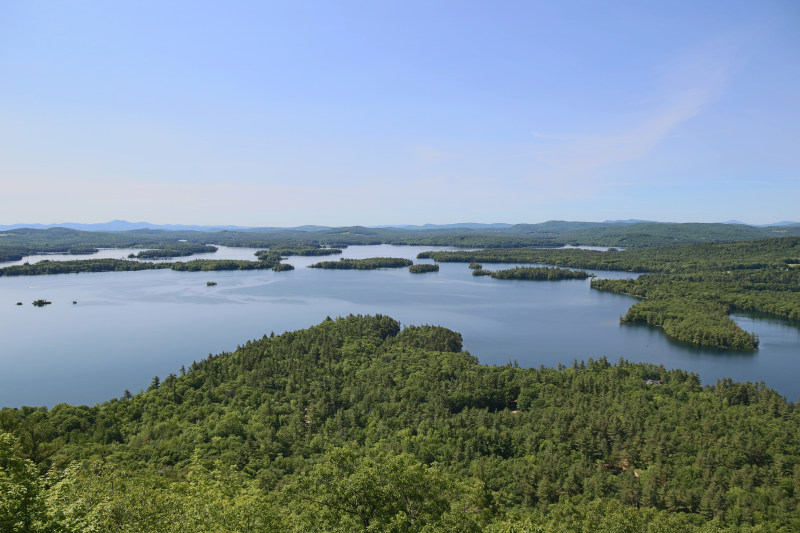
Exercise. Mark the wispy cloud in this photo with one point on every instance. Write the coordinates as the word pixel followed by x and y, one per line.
pixel 685 87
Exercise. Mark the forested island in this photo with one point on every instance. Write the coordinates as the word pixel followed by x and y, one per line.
pixel 122 265
pixel 422 268
pixel 359 425
pixel 690 289
pixel 181 249
pixel 370 263
pixel 308 251
pixel 532 273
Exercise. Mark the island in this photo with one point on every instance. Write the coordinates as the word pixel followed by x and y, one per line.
pixel 534 273
pixel 289 250
pixel 370 263
pixel 174 250
pixel 124 265
pixel 422 268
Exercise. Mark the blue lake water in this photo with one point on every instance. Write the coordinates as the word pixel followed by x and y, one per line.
pixel 130 326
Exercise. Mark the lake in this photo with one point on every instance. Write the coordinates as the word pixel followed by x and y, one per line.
pixel 127 327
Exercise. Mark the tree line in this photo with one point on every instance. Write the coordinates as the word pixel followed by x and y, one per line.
pixel 370 263
pixel 181 249
pixel 46 267
pixel 17 243
pixel 532 273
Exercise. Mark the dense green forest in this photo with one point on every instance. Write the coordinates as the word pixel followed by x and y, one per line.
pixel 423 268
pixel 122 265
pixel 370 263
pixel 18 243
pixel 779 253
pixel 359 425
pixel 690 289
pixel 650 233
pixel 286 250
pixel 532 273
pixel 180 249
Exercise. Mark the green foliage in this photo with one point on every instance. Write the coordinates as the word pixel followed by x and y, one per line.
pixel 299 249
pixel 105 497
pixel 690 290
pixel 180 249
pixel 376 491
pixel 121 265
pixel 770 253
pixel 689 317
pixel 204 265
pixel 422 268
pixel 434 338
pixel 73 267
pixel 694 307
pixel 535 273
pixel 370 263
pixel 17 243
pixel 356 424
pixel 649 233
pixel 21 505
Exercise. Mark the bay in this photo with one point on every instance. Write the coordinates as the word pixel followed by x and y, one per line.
pixel 127 327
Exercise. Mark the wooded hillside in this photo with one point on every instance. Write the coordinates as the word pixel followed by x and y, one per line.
pixel 359 425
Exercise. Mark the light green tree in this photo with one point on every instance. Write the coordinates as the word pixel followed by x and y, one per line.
pixel 21 504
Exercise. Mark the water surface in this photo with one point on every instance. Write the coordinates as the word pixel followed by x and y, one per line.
pixel 127 327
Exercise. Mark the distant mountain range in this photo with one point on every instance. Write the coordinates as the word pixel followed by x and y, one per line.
pixel 124 225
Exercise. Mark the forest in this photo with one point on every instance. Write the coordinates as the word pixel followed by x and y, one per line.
pixel 357 424
pixel 532 273
pixel 287 250
pixel 18 243
pixel 46 267
pixel 422 268
pixel 181 249
pixel 688 290
pixel 370 263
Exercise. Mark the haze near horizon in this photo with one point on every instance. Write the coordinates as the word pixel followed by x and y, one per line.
pixel 285 114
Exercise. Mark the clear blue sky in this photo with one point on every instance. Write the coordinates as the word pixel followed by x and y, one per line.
pixel 390 112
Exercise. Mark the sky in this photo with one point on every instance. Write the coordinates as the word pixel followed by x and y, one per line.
pixel 399 112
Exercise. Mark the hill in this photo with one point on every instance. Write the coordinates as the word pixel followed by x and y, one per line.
pixel 359 425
